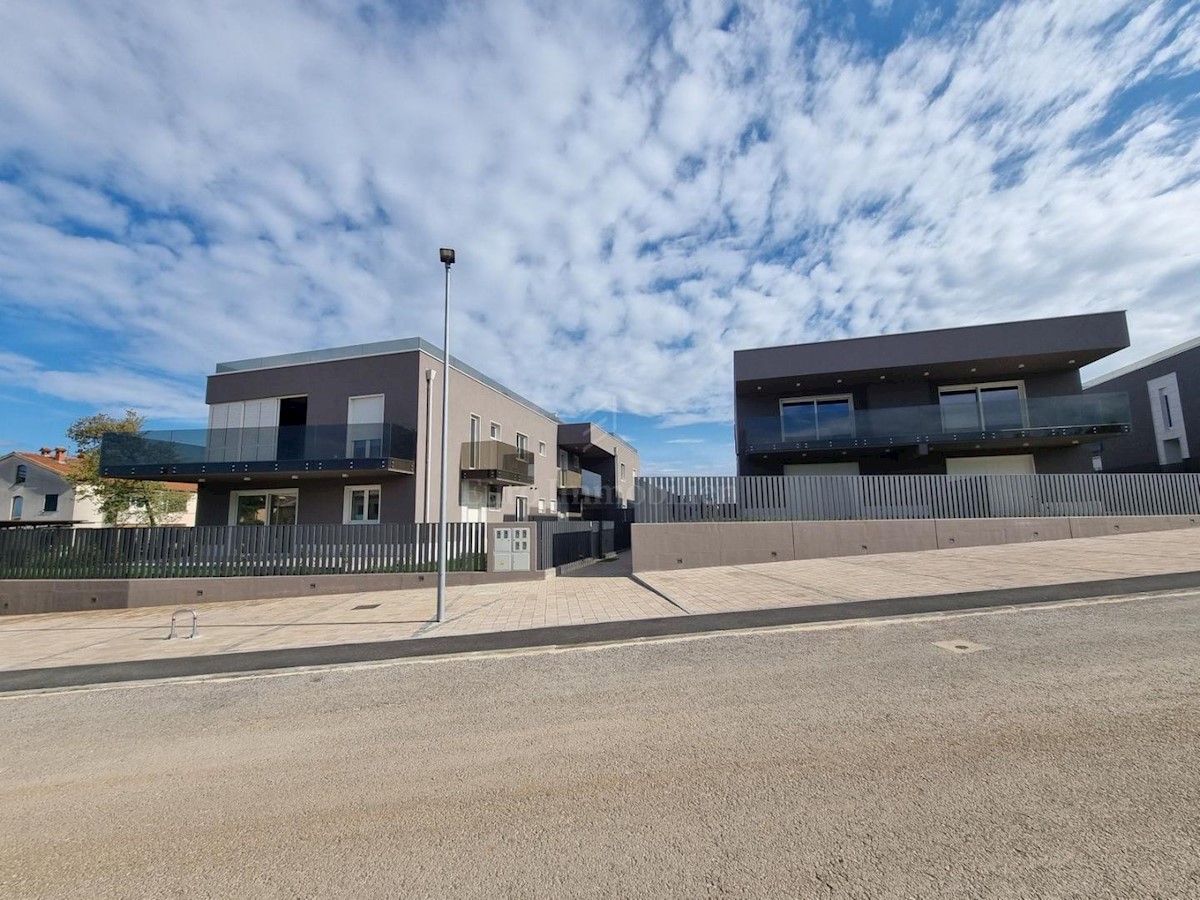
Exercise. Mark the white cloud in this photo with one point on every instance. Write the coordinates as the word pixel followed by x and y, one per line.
pixel 195 182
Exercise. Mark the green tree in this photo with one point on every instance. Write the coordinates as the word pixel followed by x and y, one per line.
pixel 122 501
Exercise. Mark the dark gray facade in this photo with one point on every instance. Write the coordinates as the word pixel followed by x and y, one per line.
pixel 1164 402
pixel 1004 397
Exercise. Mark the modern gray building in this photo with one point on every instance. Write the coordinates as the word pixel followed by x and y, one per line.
pixel 353 435
pixel 1164 402
pixel 1003 398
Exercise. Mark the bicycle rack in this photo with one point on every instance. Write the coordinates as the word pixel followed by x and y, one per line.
pixel 176 614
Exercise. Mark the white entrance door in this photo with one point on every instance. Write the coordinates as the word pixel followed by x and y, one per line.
pixel 473 502
pixel 1015 464
pixel 837 468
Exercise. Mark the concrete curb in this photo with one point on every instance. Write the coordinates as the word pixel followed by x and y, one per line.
pixel 574 635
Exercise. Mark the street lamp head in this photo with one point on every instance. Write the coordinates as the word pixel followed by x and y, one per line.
pixel 447 256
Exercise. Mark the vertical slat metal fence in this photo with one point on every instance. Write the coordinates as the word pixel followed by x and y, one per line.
pixel 167 552
pixel 771 498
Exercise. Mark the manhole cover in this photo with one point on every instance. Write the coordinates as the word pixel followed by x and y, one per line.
pixel 960 646
pixel 368 606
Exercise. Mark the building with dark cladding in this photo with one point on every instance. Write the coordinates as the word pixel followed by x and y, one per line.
pixel 353 435
pixel 1164 400
pixel 1003 398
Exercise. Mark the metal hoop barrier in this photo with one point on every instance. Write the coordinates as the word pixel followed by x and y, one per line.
pixel 176 614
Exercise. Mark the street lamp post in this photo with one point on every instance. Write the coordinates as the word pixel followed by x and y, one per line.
pixel 447 256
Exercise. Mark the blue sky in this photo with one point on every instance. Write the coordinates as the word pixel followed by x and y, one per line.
pixel 634 190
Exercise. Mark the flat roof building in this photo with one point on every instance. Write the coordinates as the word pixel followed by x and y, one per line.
pixel 1002 398
pixel 353 435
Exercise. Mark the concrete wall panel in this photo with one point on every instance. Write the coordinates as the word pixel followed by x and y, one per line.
pixel 30 597
pixel 742 543
pixel 659 547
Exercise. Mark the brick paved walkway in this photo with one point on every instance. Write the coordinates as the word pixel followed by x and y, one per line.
pixel 601 593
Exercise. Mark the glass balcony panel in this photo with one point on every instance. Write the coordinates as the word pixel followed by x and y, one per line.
pixel 959 415
pixel 834 418
pixel 292 443
pixel 1001 408
pixel 496 461
pixel 799 421
pixel 960 411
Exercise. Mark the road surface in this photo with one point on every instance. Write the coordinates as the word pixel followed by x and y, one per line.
pixel 858 761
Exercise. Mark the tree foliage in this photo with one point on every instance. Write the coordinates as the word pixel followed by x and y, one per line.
pixel 121 501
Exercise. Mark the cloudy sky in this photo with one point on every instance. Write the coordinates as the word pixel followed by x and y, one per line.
pixel 634 190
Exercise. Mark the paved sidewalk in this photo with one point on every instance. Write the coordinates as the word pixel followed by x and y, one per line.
pixel 929 572
pixel 601 593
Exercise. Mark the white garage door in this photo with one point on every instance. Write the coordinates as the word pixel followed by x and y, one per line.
pixel 1019 464
pixel 838 468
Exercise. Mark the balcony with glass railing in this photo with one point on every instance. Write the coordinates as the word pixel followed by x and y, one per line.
pixel 186 454
pixel 968 416
pixel 496 462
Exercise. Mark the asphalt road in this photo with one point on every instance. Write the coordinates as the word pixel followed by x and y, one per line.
pixel 862 761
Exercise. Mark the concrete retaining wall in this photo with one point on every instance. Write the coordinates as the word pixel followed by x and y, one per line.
pixel 692 545
pixel 36 596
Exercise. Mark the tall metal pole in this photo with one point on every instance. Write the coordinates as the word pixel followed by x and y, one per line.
pixel 447 260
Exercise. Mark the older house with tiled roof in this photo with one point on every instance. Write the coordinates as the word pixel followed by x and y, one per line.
pixel 34 490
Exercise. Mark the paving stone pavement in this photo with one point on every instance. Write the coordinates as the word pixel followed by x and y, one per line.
pixel 600 593
pixel 886 576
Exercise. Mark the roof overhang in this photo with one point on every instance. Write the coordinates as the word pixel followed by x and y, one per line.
pixel 971 353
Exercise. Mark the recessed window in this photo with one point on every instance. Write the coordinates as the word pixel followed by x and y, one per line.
pixel 495 497
pixel 264 507
pixel 50 504
pixel 817 418
pixel 362 505
pixel 541 505
pixel 476 434
pixel 494 432
pixel 541 448
pixel 983 407
pixel 364 425
pixel 522 446
pixel 18 506
pixel 22 474
pixel 622 471
pixel 522 505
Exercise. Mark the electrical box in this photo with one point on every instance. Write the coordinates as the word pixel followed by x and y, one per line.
pixel 512 548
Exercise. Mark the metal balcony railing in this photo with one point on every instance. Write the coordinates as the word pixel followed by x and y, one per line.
pixel 1026 419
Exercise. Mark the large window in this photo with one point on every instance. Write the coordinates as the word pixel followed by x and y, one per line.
pixel 364 421
pixel 476 425
pixel 362 505
pixel 243 430
pixel 817 418
pixel 264 507
pixel 50 504
pixel 983 407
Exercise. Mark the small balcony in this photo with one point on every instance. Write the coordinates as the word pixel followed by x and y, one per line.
pixel 496 462
pixel 216 453
pixel 1043 421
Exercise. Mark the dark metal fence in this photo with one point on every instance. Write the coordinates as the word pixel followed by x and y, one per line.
pixel 168 552
pixel 814 498
pixel 569 540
